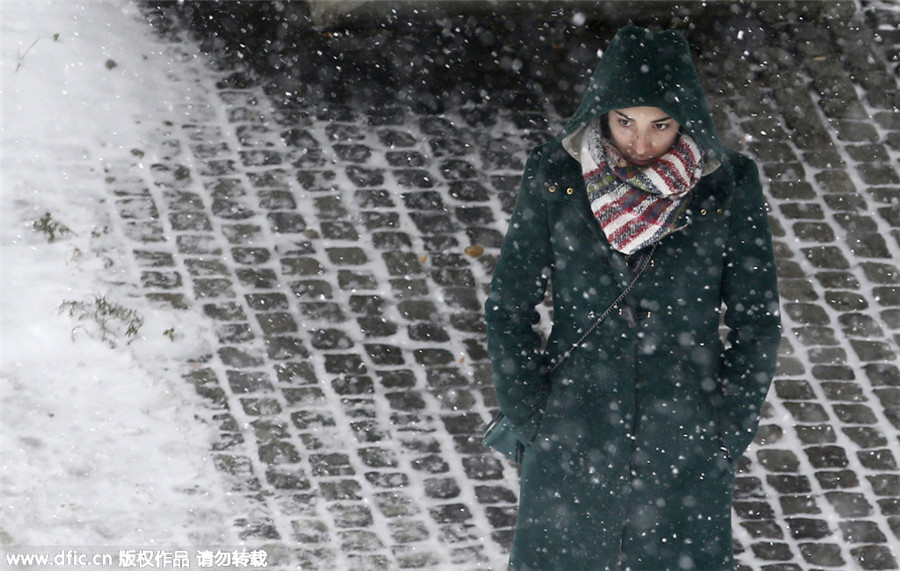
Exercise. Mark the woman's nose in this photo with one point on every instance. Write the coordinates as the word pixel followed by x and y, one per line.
pixel 641 144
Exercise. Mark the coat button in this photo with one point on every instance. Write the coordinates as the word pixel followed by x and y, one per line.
pixel 570 190
pixel 703 212
pixel 719 211
pixel 552 189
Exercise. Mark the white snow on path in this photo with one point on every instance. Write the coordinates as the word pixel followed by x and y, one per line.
pixel 98 442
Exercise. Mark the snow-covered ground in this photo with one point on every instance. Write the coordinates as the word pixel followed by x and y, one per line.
pixel 98 438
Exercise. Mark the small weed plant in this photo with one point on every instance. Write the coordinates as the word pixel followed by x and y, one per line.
pixel 20 56
pixel 52 229
pixel 110 321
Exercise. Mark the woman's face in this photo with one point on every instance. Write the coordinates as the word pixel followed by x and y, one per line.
pixel 642 134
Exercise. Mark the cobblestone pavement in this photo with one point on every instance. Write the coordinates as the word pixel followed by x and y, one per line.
pixel 342 251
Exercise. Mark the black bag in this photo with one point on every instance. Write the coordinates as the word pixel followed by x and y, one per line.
pixel 499 433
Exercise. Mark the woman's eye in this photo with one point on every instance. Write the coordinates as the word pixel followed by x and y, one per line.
pixel 661 126
pixel 624 122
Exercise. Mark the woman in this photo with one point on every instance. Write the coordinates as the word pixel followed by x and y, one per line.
pixel 631 444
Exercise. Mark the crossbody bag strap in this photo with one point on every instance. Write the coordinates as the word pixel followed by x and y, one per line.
pixel 645 261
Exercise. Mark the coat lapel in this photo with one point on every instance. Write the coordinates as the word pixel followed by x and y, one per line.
pixel 565 177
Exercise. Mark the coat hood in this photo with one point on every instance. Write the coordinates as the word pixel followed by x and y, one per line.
pixel 647 68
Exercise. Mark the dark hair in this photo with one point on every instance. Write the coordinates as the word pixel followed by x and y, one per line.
pixel 604 127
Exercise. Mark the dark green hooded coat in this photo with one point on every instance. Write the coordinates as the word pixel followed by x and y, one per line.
pixel 630 446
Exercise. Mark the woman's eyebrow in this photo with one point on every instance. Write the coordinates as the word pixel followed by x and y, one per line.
pixel 660 120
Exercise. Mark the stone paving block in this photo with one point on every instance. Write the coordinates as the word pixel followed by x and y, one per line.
pixel 213 287
pixel 887 295
pixel 815 434
pixel 846 300
pixel 823 554
pixel 763 529
pixel 865 436
pixel 833 372
pixel 890 507
pixel 878 460
pixel 837 479
pixel 842 391
pixel 248 381
pixel 874 557
pixel 240 233
pixel 845 202
pixel 814 232
pixel 808 528
pixel 855 413
pixel 257 407
pixel 874 350
pixel 276 200
pixel 286 222
pixel 259 529
pixel 753 510
pixel 826 456
pixel 805 413
pixel 799 505
pixel 889 397
pixel 826 257
pixel 794 390
pixel 832 357
pixel 285 347
pixel 206 267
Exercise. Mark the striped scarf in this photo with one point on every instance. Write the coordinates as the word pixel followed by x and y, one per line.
pixel 635 206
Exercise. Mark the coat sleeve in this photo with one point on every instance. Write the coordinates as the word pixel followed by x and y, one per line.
pixel 752 316
pixel 519 284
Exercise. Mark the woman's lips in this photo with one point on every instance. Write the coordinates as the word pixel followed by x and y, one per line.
pixel 641 162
